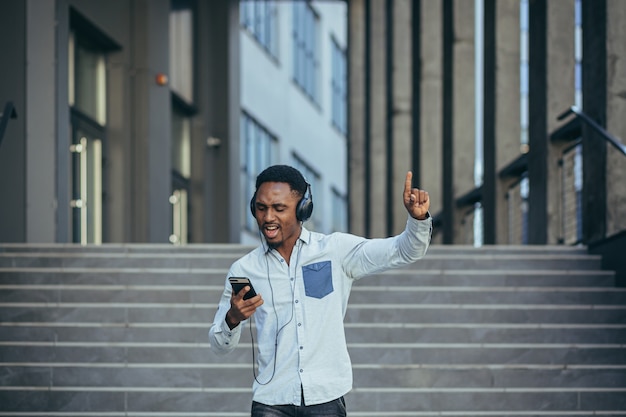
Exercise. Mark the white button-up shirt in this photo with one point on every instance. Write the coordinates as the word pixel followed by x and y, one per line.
pixel 300 334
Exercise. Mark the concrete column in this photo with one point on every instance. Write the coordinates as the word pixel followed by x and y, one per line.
pixel 616 122
pixel 377 153
pixel 488 120
pixel 560 96
pixel 222 110
pixel 447 118
pixel 40 130
pixel 356 115
pixel 13 42
pixel 594 76
pixel 537 133
pixel 151 131
pixel 118 223
pixel 431 89
pixel 507 111
pixel 402 125
pixel 463 108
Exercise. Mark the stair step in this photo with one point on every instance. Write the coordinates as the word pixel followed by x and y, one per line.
pixel 487 313
pixel 361 333
pixel 363 313
pixel 121 330
pixel 361 294
pixel 218 260
pixel 229 249
pixel 434 377
pixel 497 401
pixel 216 276
pixel 370 352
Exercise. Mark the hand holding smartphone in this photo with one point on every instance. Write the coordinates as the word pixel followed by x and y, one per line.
pixel 238 283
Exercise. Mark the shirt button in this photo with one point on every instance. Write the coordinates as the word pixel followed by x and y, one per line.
pixel 301 347
pixel 301 370
pixel 299 324
pixel 297 301
pixel 282 260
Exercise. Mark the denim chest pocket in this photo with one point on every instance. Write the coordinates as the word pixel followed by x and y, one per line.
pixel 318 279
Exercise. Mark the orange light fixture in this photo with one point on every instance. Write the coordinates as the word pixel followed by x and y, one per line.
pixel 161 79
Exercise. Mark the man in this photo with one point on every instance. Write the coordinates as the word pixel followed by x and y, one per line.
pixel 303 281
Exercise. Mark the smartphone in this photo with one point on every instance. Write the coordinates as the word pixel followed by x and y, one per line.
pixel 238 283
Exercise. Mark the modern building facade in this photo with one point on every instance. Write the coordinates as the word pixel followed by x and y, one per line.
pixel 509 112
pixel 294 102
pixel 146 121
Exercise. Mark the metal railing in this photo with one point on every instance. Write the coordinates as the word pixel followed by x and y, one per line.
pixel 606 135
pixel 570 165
pixel 517 211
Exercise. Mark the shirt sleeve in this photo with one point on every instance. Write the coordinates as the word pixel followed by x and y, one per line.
pixel 222 339
pixel 375 255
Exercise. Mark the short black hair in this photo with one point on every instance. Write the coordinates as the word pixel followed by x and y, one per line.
pixel 283 173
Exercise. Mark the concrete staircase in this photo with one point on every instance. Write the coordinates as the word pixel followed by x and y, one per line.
pixel 121 330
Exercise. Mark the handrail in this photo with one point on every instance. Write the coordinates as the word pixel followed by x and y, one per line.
pixel 606 135
pixel 8 113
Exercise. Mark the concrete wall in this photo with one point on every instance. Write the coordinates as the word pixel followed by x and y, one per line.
pixel 560 84
pixel 464 111
pixel 431 157
pixel 13 147
pixel 507 120
pixel 40 134
pixel 402 111
pixel 356 115
pixel 616 122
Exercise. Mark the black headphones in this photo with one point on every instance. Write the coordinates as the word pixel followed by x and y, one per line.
pixel 303 210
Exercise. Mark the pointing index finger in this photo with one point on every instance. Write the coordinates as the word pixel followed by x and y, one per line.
pixel 407 184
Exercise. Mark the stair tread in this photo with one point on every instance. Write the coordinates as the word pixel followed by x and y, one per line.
pixel 116 329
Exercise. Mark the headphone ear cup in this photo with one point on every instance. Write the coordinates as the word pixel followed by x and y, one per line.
pixel 305 206
pixel 252 205
pixel 305 209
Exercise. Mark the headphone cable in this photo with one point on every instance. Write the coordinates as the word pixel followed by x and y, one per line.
pixel 293 296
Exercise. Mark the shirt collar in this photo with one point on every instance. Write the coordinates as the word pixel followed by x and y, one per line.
pixel 305 236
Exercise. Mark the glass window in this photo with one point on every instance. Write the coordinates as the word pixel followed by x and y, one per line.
pixel 87 79
pixel 181 144
pixel 259 148
pixel 259 18
pixel 339 221
pixel 181 49
pixel 338 87
pixel 578 54
pixel 305 54
pixel 524 76
pixel 87 100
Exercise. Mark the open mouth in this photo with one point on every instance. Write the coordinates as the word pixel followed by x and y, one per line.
pixel 271 231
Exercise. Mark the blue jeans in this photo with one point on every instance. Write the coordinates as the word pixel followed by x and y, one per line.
pixel 335 408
